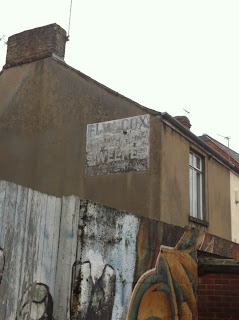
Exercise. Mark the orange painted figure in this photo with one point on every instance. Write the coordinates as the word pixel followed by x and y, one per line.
pixel 169 291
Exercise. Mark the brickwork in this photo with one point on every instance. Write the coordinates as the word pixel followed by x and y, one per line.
pixel 222 152
pixel 36 44
pixel 184 121
pixel 218 297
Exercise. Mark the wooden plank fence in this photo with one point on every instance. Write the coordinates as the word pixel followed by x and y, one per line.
pixel 38 238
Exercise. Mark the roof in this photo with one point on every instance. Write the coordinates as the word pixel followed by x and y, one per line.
pixel 199 141
pixel 233 154
pixel 111 91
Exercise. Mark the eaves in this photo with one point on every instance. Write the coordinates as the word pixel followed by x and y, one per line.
pixel 188 135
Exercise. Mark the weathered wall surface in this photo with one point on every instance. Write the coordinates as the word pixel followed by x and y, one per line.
pixel 62 258
pixel 37 242
pixel 58 136
pixel 129 267
pixel 174 195
pixel 234 193
pixel 45 108
pixel 118 146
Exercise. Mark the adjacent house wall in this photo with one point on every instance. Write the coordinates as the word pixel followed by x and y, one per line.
pixel 174 196
pixel 234 192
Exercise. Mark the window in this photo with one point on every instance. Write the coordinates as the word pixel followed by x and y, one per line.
pixel 196 185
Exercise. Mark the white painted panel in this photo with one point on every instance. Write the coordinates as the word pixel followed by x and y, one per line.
pixel 16 262
pixel 40 207
pixel 29 236
pixel 2 216
pixel 118 146
pixel 9 233
pixel 55 243
pixel 66 256
pixel 106 258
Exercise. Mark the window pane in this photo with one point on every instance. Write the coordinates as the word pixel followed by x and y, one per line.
pixel 198 163
pixel 194 161
pixel 190 159
pixel 195 185
pixel 199 195
pixel 191 190
pixel 195 198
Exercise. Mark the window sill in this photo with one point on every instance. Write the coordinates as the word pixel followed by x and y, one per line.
pixel 199 221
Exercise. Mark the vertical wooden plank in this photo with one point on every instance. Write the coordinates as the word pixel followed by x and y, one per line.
pixel 18 244
pixel 50 243
pixel 25 259
pixel 39 217
pixel 33 246
pixel 66 257
pixel 2 215
pixel 7 285
pixel 56 236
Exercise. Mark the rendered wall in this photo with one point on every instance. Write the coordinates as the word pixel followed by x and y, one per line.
pixel 174 195
pixel 45 107
pixel 62 258
pixel 234 191
pixel 46 110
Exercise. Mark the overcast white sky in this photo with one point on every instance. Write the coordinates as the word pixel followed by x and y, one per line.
pixel 167 55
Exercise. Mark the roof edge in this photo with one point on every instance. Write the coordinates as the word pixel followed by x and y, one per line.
pixel 210 150
pixel 217 143
pixel 151 111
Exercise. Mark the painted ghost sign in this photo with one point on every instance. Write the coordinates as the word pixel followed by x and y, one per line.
pixel 118 146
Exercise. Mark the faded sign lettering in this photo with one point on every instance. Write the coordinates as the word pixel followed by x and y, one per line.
pixel 118 146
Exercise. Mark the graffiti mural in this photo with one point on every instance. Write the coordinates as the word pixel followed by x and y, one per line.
pixel 36 303
pixel 95 262
pixel 93 298
pixel 1 264
pixel 169 291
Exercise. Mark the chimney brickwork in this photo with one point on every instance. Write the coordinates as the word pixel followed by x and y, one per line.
pixel 36 44
pixel 184 121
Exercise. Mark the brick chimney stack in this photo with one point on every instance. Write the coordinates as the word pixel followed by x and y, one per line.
pixel 184 121
pixel 36 44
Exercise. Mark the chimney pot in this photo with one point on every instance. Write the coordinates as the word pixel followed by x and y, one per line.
pixel 36 44
pixel 184 121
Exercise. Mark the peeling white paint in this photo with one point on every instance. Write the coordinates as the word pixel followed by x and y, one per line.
pixel 118 146
pixel 30 228
pixel 109 240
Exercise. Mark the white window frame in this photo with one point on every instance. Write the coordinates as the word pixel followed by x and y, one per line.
pixel 195 185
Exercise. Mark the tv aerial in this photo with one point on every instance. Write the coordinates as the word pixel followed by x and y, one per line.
pixel 227 138
pixel 188 112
